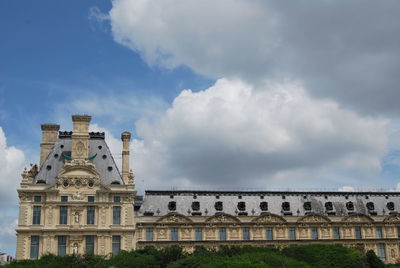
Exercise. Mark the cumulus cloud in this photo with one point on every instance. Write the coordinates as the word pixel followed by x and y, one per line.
pixel 232 135
pixel 347 50
pixel 12 160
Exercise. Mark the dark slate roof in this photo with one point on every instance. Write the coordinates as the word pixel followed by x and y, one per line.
pixel 157 201
pixel 104 162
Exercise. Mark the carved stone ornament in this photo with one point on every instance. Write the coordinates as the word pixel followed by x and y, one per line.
pixel 358 218
pixel 393 218
pixel 270 218
pixel 174 218
pixel 222 218
pixel 77 196
pixel 314 219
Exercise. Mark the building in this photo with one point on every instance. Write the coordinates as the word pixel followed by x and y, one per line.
pixel 77 201
pixel 5 259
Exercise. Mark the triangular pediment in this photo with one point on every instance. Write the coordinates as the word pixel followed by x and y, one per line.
pixel 358 218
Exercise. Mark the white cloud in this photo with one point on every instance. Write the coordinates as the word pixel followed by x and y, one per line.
pixel 12 161
pixel 232 135
pixel 335 47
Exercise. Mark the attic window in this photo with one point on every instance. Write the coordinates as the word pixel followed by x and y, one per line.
pixel 172 205
pixel 286 206
pixel 264 206
pixel 390 205
pixel 219 206
pixel 110 168
pixel 115 182
pixel 241 206
pixel 283 197
pixel 328 206
pixel 171 196
pixel 370 206
pixel 195 206
pixel 61 146
pixel 261 197
pixel 350 205
pixel 195 197
pixel 90 184
pixel 307 205
pixel 217 196
pixel 56 156
pixel 104 156
pixel 41 182
pixel 240 197
pixel 48 167
pixel 100 147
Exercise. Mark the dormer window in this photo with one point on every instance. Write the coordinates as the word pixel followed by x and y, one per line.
pixel 390 205
pixel 370 206
pixel 328 206
pixel 307 205
pixel 241 206
pixel 350 205
pixel 219 206
pixel 172 205
pixel 41 182
pixel 264 206
pixel 195 206
pixel 115 182
pixel 285 206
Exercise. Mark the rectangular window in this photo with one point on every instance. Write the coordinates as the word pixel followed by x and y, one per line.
pixel 174 234
pixel 246 233
pixel 63 214
pixel 336 233
pixel 149 234
pixel 117 199
pixel 64 198
pixel 270 234
pixel 379 232
pixel 62 245
pixel 90 215
pixel 222 234
pixel 116 215
pixel 357 231
pixel 314 233
pixel 34 247
pixel 382 252
pixel 89 249
pixel 198 234
pixel 116 244
pixel 37 198
pixel 398 231
pixel 90 199
pixel 36 214
pixel 292 233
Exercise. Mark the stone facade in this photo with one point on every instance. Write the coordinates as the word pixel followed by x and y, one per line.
pixel 77 201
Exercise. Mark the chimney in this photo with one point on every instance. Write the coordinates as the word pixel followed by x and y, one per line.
pixel 126 138
pixel 80 136
pixel 49 138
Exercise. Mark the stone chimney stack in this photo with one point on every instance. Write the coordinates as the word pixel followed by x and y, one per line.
pixel 126 138
pixel 49 138
pixel 80 136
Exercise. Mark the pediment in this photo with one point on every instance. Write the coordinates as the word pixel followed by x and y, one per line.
pixel 222 218
pixel 78 168
pixel 357 218
pixel 314 218
pixel 269 218
pixel 174 218
pixel 392 218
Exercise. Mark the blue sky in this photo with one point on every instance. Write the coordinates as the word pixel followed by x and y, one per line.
pixel 227 94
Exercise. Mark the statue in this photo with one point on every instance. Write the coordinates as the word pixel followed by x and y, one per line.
pixel 75 249
pixel 76 216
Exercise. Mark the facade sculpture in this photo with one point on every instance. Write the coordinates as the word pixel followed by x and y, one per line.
pixel 76 201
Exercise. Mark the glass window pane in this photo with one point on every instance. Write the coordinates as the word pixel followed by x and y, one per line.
pixel 117 215
pixel 382 252
pixel 270 235
pixel 117 199
pixel 246 233
pixel 222 234
pixel 63 214
pixel 37 198
pixel 64 198
pixel 336 233
pixel 292 233
pixel 174 234
pixel 116 244
pixel 90 199
pixel 357 231
pixel 90 215
pixel 36 214
pixel 89 244
pixel 149 234
pixel 199 234
pixel 379 232
pixel 62 245
pixel 34 247
pixel 314 233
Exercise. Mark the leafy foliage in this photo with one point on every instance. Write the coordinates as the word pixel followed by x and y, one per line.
pixel 303 256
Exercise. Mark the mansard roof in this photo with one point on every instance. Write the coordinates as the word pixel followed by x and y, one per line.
pixel 283 203
pixel 104 161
